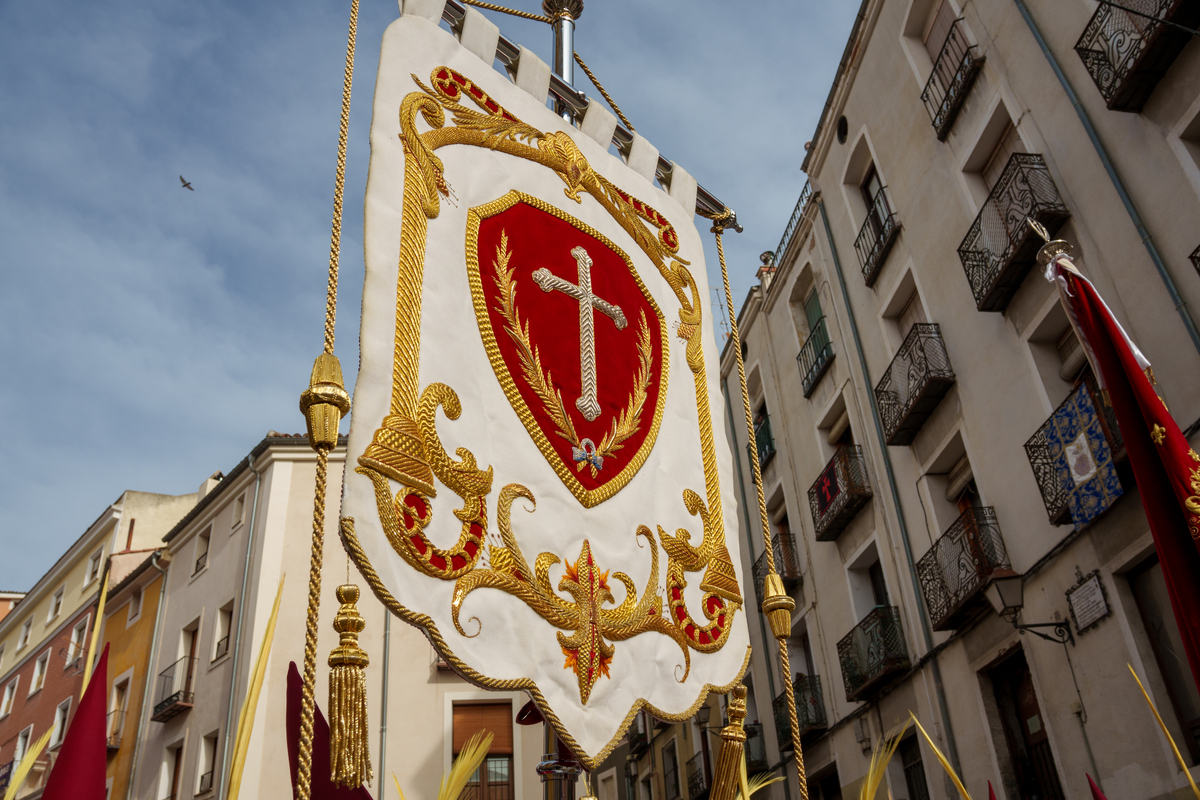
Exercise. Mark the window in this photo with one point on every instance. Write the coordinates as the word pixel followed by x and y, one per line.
pixel 39 673
pixel 1009 143
pixel 205 767
pixel 878 207
pixel 10 693
pixel 239 510
pixel 78 642
pixel 670 771
pixel 55 605
pixel 116 713
pixel 939 30
pixel 22 744
pixel 93 571
pixel 202 550
pixel 825 786
pixel 172 767
pixel 1 655
pixel 914 769
pixel 25 630
pixel 493 780
pixel 224 628
pixel 60 722
pixel 913 313
pixel 868 586
pixel 135 605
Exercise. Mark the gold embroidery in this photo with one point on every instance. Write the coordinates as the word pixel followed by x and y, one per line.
pixel 1194 455
pixel 590 622
pixel 1192 503
pixel 1158 433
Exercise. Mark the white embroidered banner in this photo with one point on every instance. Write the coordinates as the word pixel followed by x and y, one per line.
pixel 538 476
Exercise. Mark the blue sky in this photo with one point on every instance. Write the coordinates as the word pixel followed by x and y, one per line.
pixel 153 335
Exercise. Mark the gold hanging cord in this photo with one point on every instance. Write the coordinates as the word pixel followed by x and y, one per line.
pixel 777 605
pixel 503 10
pixel 323 405
pixel 611 102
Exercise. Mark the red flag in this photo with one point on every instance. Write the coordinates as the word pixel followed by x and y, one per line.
pixel 1167 470
pixel 1096 793
pixel 79 770
pixel 322 786
pixel 991 792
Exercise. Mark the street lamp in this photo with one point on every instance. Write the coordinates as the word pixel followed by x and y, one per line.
pixel 1006 592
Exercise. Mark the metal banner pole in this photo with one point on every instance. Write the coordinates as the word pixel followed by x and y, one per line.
pixel 563 14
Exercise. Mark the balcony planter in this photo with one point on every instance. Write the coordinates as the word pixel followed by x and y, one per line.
pixel 872 653
pixel 1127 54
pixel 950 82
pixel 915 382
pixel 1000 247
pixel 957 568
pixel 842 489
pixel 815 357
pixel 876 236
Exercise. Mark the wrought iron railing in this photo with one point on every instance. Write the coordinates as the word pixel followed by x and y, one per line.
pixel 1000 247
pixel 1128 50
pixel 810 710
pixel 1195 258
pixel 755 748
pixel 877 235
pixel 222 647
pixel 1055 488
pixel 6 771
pixel 631 780
pixel 958 566
pixel 787 563
pixel 815 356
pixel 839 493
pixel 763 446
pixel 671 777
pixel 206 782
pixel 175 693
pixel 113 727
pixel 697 781
pixel 872 652
pixel 953 73
pixel 201 562
pixel 793 223
pixel 914 383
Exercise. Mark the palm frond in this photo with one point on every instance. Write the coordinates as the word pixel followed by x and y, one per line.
pixel 91 653
pixel 962 790
pixel 747 786
pixel 399 791
pixel 469 759
pixel 1166 732
pixel 245 728
pixel 22 770
pixel 880 757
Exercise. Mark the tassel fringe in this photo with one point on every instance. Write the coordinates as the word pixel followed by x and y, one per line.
pixel 349 751
pixel 726 778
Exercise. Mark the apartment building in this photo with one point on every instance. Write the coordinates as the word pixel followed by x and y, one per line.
pixel 927 424
pixel 44 638
pixel 252 529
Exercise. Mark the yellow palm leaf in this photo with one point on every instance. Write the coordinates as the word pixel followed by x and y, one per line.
pixel 241 742
pixel 880 757
pixel 1166 732
pixel 22 770
pixel 945 764
pixel 91 653
pixel 399 791
pixel 748 786
pixel 469 759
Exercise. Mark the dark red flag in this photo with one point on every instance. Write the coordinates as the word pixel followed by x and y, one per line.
pixel 1166 468
pixel 1096 793
pixel 322 786
pixel 79 770
pixel 991 792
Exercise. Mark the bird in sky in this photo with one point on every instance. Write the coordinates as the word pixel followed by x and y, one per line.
pixel 186 184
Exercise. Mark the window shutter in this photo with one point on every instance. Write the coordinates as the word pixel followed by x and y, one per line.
pixel 494 717
pixel 939 30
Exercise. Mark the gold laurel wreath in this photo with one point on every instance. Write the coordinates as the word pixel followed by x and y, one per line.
pixel 627 422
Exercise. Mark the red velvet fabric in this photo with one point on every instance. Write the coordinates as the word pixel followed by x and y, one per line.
pixel 538 239
pixel 322 787
pixel 991 792
pixel 1096 793
pixel 79 771
pixel 1162 470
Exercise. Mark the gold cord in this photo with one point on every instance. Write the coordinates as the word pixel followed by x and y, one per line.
pixel 772 579
pixel 513 11
pixel 611 102
pixel 323 445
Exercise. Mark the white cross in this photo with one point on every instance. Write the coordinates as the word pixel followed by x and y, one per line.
pixel 587 403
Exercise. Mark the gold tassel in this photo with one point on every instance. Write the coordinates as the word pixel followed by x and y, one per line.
pixel 349 751
pixel 733 739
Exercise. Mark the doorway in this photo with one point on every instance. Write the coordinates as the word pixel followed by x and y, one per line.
pixel 1025 730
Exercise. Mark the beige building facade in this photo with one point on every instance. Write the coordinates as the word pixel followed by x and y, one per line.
pixel 927 421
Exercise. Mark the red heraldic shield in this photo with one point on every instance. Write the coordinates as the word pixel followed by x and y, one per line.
pixel 574 337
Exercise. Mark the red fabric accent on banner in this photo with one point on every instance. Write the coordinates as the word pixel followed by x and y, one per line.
pixel 1096 793
pixel 79 770
pixel 991 792
pixel 537 240
pixel 323 788
pixel 1162 470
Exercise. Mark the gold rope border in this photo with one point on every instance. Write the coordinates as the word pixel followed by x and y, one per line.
pixel 589 498
pixel 528 685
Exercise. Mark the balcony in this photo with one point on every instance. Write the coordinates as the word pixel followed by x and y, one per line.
pixel 838 495
pixel 1195 258
pixel 206 782
pixel 876 237
pixel 815 356
pixel 787 563
pixel 1000 247
pixel 914 383
pixel 637 736
pixel 948 85
pixel 755 749
pixel 793 223
pixel 810 711
pixel 175 694
pixel 697 780
pixel 872 653
pixel 114 725
pixel 631 779
pixel 201 562
pixel 954 572
pixel 223 647
pixel 6 771
pixel 763 446
pixel 1128 50
pixel 1045 458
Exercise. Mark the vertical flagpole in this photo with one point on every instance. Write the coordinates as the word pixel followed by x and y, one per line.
pixel 563 14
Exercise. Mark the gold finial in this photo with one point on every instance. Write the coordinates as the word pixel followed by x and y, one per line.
pixel 324 402
pixel 1038 228
pixel 778 606
pixel 1052 247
